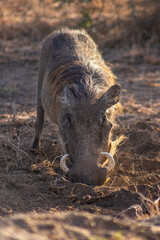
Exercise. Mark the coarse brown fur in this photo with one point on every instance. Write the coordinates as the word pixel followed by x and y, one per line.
pixel 74 86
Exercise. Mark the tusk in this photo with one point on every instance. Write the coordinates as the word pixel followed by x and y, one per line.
pixel 63 165
pixel 111 162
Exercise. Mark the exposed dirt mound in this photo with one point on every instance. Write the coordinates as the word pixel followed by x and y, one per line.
pixel 77 226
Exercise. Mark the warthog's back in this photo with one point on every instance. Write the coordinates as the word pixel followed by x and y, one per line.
pixel 69 45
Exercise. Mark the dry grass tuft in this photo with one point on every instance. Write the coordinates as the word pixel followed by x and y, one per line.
pixel 152 206
pixel 14 156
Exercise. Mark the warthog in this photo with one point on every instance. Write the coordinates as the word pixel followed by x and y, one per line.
pixel 77 90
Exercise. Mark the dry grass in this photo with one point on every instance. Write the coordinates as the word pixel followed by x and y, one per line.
pixel 110 22
pixel 152 206
pixel 14 156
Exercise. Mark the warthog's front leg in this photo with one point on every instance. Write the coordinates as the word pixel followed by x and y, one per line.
pixel 39 123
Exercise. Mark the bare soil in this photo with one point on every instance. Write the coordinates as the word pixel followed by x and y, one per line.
pixel 77 225
pixel 34 184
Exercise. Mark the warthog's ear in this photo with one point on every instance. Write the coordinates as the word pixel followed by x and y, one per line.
pixel 109 98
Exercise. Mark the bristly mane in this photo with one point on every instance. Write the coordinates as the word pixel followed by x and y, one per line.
pixel 87 81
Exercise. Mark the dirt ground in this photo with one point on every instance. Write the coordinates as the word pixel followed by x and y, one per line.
pixel 35 184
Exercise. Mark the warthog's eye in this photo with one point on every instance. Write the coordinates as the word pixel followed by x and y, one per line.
pixel 69 118
pixel 103 120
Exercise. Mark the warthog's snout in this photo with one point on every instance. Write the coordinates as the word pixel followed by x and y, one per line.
pixel 91 176
pixel 96 178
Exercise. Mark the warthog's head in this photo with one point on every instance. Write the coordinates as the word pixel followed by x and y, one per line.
pixel 84 135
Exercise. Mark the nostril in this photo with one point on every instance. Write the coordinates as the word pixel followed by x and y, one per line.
pixel 74 179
